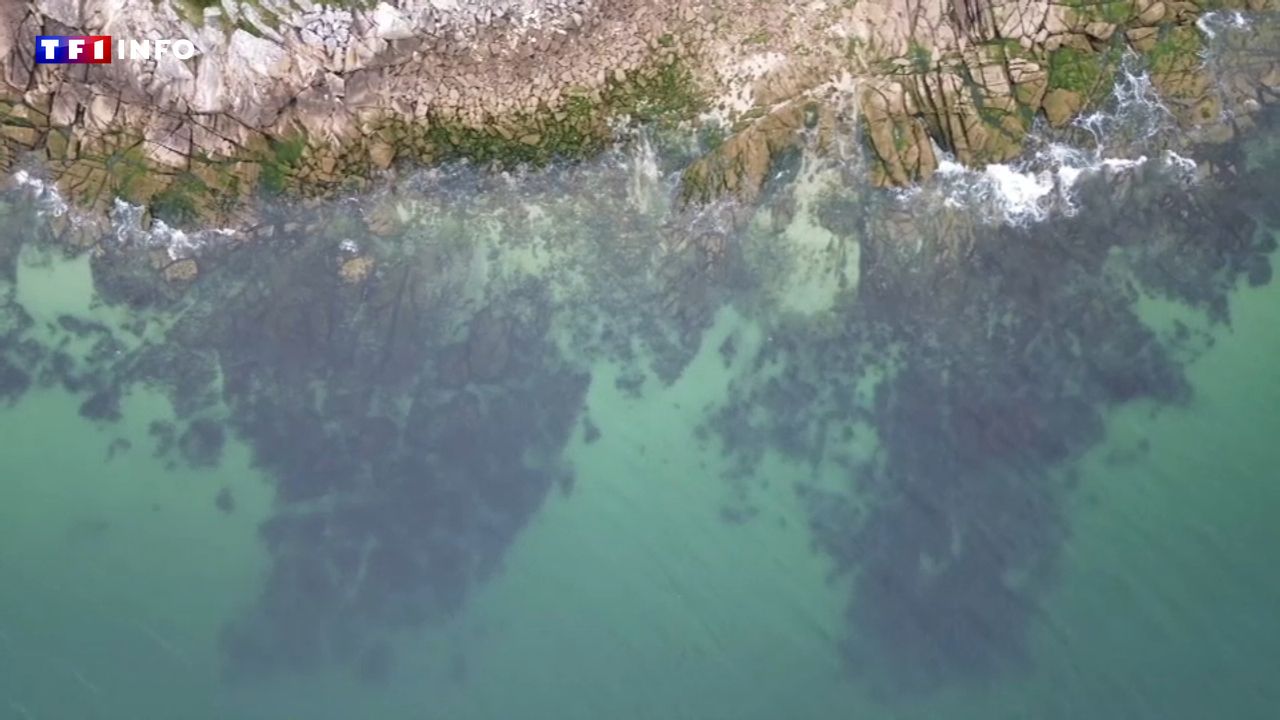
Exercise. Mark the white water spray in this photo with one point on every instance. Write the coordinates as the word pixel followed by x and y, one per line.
pixel 1043 184
pixel 45 194
pixel 127 221
pixel 1212 23
pixel 644 186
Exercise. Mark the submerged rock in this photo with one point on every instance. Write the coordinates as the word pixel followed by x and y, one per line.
pixel 356 270
pixel 184 270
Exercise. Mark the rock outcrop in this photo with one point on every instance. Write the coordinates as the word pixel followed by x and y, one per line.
pixel 297 94
pixel 970 77
pixel 291 94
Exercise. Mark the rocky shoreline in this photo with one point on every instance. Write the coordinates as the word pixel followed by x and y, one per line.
pixel 293 96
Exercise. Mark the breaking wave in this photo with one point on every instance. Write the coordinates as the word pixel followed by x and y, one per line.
pixel 1045 184
pixel 1213 23
pixel 47 198
pixel 1109 142
pixel 129 223
pixel 130 226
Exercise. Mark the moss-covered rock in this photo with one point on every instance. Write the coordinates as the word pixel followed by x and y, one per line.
pixel 1061 105
pixel 739 165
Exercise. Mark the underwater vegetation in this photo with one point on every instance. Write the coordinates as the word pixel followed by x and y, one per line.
pixel 993 352
pixel 410 435
pixel 410 396
pixel 407 453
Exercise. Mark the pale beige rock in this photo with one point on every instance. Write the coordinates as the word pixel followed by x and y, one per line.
pixel 184 270
pixel 24 136
pixel 381 154
pixel 1152 14
pixel 356 270
pixel 1060 105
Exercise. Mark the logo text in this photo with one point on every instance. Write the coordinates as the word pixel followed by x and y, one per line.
pixel 96 49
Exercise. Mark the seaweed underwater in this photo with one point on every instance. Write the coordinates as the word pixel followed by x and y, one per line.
pixel 983 359
pixel 412 409
pixel 412 418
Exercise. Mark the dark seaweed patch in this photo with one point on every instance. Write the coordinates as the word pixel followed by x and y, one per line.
pixel 1000 349
pixel 201 443
pixel 14 381
pixel 165 435
pixel 118 446
pixel 590 431
pixel 405 463
pixel 14 319
pixel 102 405
pixel 225 501
pixel 1259 273
pixel 81 327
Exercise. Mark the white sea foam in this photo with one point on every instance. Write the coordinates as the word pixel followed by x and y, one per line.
pixel 1183 165
pixel 1136 114
pixel 127 222
pixel 179 244
pixel 1212 23
pixel 1035 189
pixel 1004 193
pixel 1044 183
pixel 645 181
pixel 47 197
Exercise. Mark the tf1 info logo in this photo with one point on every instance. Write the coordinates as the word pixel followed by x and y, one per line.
pixel 96 49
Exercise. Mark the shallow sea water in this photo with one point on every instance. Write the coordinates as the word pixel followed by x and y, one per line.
pixel 690 538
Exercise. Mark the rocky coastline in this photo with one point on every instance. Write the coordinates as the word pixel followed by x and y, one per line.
pixel 293 96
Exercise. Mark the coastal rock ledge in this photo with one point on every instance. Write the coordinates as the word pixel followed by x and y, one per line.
pixel 296 96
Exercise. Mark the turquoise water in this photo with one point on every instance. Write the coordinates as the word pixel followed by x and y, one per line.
pixel 571 451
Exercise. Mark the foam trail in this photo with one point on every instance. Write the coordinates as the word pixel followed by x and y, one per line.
pixel 1211 23
pixel 644 176
pixel 1137 114
pixel 20 710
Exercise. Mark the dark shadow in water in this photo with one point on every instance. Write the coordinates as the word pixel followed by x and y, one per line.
pixel 1004 347
pixel 406 462
pixel 412 426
